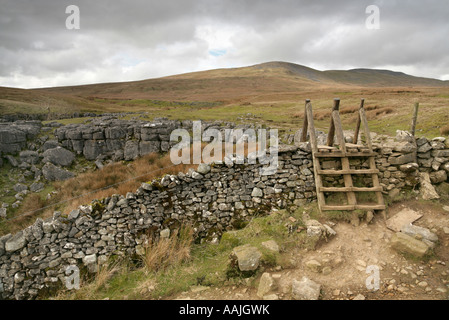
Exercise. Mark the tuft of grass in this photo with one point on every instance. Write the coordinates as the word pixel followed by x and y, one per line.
pixel 166 252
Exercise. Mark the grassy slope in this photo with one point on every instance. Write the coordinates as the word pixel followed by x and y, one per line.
pixel 273 92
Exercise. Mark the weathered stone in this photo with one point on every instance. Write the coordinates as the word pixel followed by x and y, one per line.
pixel 266 285
pixel 50 144
pixel 16 242
pixel 440 153
pixel 409 168
pixel 203 168
pixel 438 176
pixel 425 148
pixel 28 156
pixel 257 192
pixel 305 289
pixel 59 156
pixel 247 257
pixel 402 159
pixel 90 259
pixel 409 245
pixel 419 232
pixel 36 187
pixel 165 234
pixel 197 176
pixel 427 190
pixel 54 173
pixel 445 167
pixel 19 187
pixel 131 151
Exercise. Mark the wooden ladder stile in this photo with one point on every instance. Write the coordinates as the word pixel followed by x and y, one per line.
pixel 330 151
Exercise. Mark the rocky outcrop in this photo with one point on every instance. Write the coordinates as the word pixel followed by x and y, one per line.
pixel 58 156
pixel 54 173
pixel 13 136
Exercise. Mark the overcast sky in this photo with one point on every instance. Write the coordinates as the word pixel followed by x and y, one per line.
pixel 141 39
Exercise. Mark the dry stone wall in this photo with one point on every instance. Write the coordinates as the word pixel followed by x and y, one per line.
pixel 214 198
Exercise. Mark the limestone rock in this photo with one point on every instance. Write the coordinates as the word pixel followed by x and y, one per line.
pixel 419 232
pixel 59 156
pixel 203 168
pixel 427 190
pixel 257 192
pixel 247 256
pixel 54 173
pixel 438 176
pixel 16 242
pixel 305 289
pixel 266 284
pixel 409 245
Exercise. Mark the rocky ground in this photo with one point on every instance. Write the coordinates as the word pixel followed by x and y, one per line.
pixel 339 266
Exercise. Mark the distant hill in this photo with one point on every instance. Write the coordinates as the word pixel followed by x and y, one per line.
pixel 222 84
pixel 355 77
pixel 261 82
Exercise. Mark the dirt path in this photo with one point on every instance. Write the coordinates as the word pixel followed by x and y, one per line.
pixel 344 259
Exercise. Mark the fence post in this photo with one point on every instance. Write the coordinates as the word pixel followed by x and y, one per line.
pixel 414 119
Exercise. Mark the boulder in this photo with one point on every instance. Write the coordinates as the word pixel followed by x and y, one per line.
pixel 31 157
pixel 54 173
pixel 409 245
pixel 247 257
pixel 59 156
pixel 305 289
pixel 50 144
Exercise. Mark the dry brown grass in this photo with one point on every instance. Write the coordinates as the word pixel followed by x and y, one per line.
pixel 168 252
pixel 90 287
pixel 444 130
pixel 117 178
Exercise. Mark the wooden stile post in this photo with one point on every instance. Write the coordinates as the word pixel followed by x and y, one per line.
pixel 414 119
pixel 357 126
pixel 305 124
pixel 330 136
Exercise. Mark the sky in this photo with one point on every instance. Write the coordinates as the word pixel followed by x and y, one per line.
pixel 43 45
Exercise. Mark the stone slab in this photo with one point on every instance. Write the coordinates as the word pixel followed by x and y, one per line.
pixel 403 217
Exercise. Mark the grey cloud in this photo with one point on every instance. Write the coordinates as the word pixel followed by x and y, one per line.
pixel 161 36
